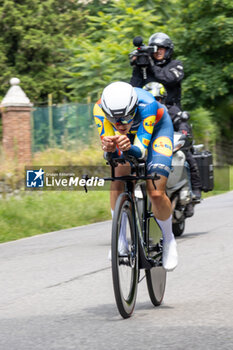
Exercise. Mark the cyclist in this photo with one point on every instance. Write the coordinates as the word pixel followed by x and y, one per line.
pixel 129 119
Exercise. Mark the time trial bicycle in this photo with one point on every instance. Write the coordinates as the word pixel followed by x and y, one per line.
pixel 143 238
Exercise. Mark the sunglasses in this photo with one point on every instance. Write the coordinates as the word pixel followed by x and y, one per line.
pixel 125 120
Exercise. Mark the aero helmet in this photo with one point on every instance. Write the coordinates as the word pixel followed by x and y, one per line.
pixel 119 102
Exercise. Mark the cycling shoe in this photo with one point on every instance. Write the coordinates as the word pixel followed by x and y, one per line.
pixel 170 256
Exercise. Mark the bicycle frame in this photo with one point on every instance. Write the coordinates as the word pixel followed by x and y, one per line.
pixel 145 262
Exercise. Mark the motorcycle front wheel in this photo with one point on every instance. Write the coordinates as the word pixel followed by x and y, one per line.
pixel 178 228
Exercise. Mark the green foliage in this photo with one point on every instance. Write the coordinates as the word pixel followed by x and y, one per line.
pixel 32 36
pixel 36 213
pixel 102 55
pixel 204 129
pixel 73 50
pixel 204 31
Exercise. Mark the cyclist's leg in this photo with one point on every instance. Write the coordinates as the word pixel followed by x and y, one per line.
pixel 159 161
pixel 161 205
pixel 117 187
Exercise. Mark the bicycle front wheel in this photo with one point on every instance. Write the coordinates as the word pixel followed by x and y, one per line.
pixel 124 256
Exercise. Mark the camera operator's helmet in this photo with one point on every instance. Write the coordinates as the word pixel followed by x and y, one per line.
pixel 119 102
pixel 157 90
pixel 162 40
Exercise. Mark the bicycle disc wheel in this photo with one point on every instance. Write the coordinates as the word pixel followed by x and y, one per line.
pixel 124 259
pixel 156 283
pixel 156 276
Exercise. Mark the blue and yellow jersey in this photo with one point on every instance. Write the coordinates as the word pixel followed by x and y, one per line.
pixel 149 113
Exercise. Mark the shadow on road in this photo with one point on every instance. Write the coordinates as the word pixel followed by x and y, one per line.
pixel 148 306
pixel 191 235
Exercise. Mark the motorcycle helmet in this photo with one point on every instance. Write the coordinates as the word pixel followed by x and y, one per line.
pixel 162 40
pixel 119 101
pixel 157 90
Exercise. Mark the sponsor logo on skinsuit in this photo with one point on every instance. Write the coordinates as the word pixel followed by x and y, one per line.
pixel 149 123
pixel 99 124
pixel 163 145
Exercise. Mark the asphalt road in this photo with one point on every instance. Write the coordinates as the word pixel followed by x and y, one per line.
pixel 56 290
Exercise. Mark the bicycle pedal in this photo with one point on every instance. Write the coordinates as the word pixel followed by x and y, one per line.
pixel 154 262
pixel 155 248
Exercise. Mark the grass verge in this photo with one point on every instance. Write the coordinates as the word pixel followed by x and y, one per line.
pixel 39 212
pixel 42 212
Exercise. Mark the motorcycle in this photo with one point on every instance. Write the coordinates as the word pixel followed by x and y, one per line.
pixel 179 188
pixel 178 185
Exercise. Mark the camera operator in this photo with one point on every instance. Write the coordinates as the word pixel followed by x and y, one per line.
pixel 158 66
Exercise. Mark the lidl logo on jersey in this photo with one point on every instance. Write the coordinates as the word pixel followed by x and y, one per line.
pixel 148 124
pixel 35 178
pixel 99 124
pixel 163 145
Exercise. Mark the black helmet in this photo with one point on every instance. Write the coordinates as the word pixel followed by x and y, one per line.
pixel 162 40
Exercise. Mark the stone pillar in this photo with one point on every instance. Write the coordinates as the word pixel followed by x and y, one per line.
pixel 16 124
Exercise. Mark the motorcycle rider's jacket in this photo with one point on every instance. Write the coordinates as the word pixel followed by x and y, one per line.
pixel 169 73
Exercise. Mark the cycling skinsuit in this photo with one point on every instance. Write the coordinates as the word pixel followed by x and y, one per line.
pixel 151 134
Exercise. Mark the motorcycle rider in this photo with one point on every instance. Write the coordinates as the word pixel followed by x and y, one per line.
pixel 169 72
pixel 157 90
pixel 129 119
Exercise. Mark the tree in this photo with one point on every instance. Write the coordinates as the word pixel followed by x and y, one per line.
pixel 100 56
pixel 32 39
pixel 204 32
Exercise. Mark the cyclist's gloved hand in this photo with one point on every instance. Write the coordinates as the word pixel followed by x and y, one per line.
pixel 109 143
pixel 123 142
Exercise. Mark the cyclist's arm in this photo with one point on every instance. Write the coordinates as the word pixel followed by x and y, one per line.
pixel 150 115
pixel 105 128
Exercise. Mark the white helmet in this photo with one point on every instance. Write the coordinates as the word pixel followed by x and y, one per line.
pixel 119 102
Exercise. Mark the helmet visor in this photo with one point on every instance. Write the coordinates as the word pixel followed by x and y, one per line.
pixel 122 120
